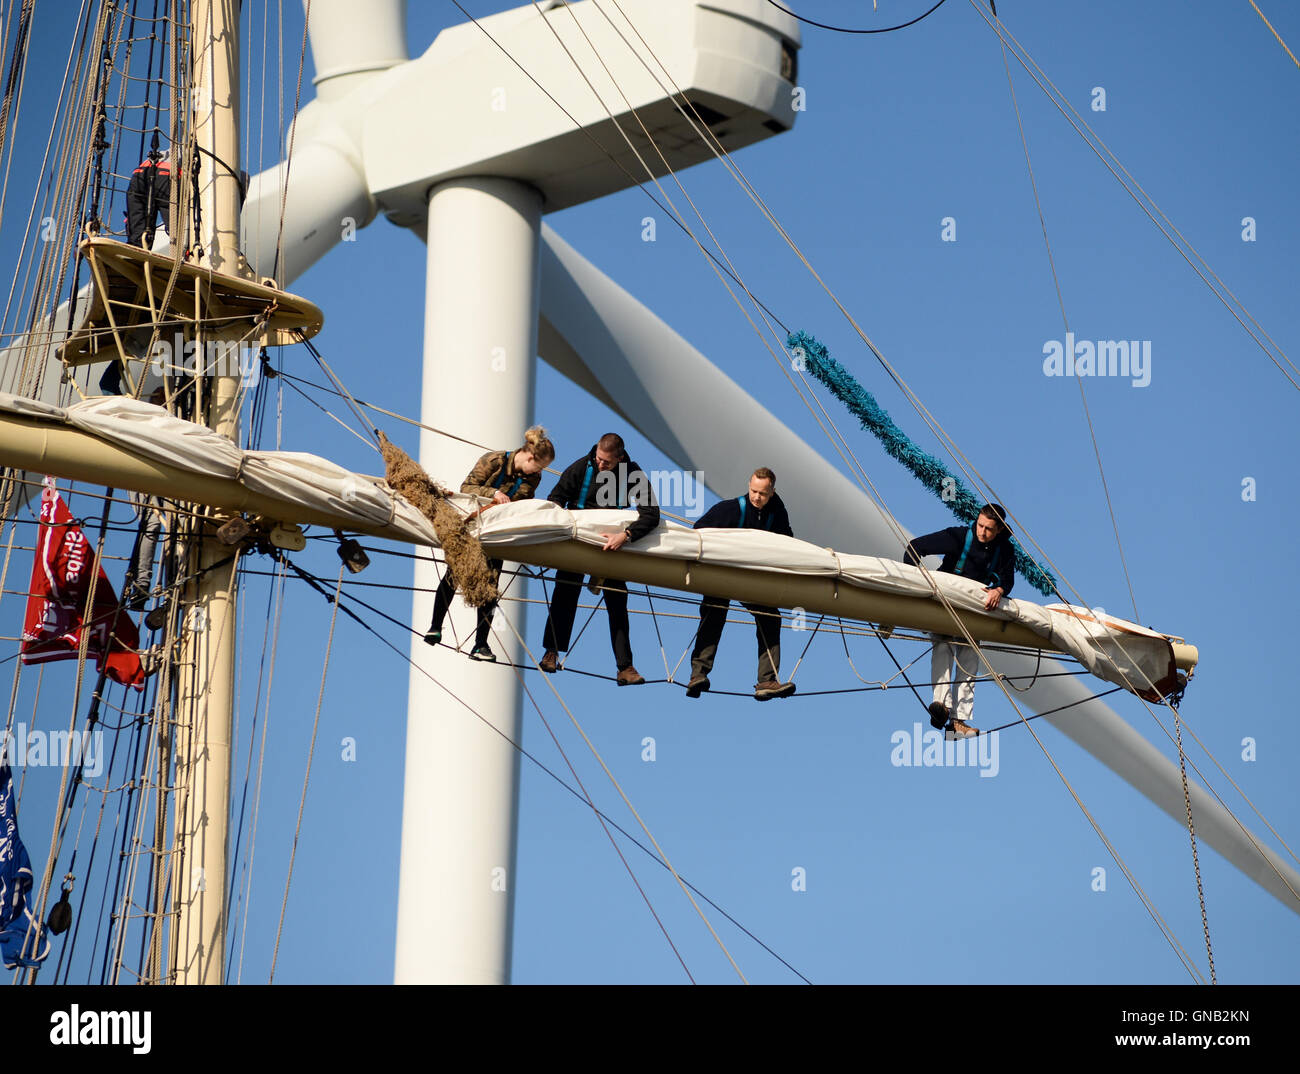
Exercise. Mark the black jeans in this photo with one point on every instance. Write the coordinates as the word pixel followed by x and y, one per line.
pixel 442 601
pixel 564 607
pixel 767 630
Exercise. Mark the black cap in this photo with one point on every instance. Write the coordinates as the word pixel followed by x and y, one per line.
pixel 997 511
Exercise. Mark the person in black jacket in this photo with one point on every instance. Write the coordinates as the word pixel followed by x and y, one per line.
pixel 605 478
pixel 147 198
pixel 981 551
pixel 760 509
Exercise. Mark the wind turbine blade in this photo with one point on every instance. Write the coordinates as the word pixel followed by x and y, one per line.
pixel 349 39
pixel 603 339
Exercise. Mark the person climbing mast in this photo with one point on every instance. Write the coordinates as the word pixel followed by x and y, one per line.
pixel 147 198
pixel 983 552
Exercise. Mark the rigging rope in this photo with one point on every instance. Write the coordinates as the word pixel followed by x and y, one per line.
pixel 64 801
pixel 631 808
pixel 1083 396
pixel 275 597
pixel 293 131
pixel 1275 33
pixel 1182 762
pixel 13 81
pixel 847 30
pixel 311 750
pixel 25 377
pixel 600 817
pixel 70 946
pixel 1062 103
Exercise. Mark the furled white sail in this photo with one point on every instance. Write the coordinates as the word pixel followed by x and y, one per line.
pixel 747 564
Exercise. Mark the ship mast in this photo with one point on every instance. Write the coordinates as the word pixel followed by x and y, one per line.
pixel 207 665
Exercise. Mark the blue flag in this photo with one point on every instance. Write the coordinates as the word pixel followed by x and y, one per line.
pixel 15 883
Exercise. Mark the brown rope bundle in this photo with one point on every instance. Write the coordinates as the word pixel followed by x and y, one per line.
pixel 465 558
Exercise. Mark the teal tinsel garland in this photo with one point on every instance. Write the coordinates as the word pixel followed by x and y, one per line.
pixel 931 472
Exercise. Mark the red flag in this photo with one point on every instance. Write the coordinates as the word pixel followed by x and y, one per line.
pixel 56 606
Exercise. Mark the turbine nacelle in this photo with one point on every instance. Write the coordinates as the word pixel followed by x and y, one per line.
pixel 383 133
pixel 465 108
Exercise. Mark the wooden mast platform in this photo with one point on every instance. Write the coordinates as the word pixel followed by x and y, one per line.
pixel 133 288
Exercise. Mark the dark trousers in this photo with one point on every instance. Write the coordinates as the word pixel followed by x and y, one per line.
pixel 767 629
pixel 139 570
pixel 564 607
pixel 442 601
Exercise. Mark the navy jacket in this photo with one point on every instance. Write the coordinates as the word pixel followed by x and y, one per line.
pixel 727 514
pixel 611 488
pixel 992 564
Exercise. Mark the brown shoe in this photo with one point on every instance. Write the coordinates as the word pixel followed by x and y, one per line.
pixel 629 676
pixel 699 684
pixel 961 729
pixel 547 663
pixel 765 691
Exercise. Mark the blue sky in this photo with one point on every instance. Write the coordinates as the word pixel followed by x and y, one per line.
pixel 911 874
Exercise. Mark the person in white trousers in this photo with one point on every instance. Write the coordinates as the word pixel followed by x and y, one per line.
pixel 983 552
